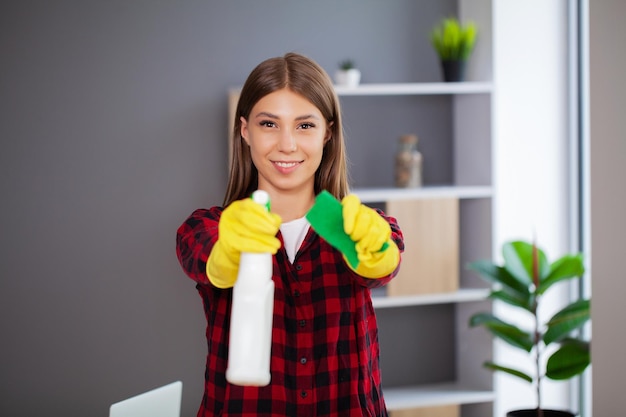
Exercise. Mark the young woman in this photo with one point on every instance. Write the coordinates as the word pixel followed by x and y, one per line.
pixel 288 141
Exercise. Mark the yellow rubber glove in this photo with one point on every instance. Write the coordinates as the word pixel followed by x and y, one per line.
pixel 244 226
pixel 370 232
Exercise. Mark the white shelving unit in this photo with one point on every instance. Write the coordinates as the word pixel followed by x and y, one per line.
pixel 473 395
pixel 421 376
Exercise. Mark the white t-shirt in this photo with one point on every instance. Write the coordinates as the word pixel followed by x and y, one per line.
pixel 294 233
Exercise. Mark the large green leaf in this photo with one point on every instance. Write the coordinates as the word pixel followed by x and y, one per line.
pixel 514 299
pixel 509 333
pixel 566 267
pixel 518 260
pixel 510 371
pixel 499 275
pixel 565 321
pixel 569 360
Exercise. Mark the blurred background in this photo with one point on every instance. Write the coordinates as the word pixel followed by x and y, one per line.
pixel 113 128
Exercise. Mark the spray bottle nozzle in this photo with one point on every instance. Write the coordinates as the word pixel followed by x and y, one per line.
pixel 261 197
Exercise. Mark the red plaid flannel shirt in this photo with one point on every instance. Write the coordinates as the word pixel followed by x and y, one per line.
pixel 325 352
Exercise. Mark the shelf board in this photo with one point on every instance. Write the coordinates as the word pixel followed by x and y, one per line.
pixel 373 195
pixel 406 89
pixel 460 296
pixel 401 398
pixel 394 89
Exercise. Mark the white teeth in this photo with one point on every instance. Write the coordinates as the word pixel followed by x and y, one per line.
pixel 286 164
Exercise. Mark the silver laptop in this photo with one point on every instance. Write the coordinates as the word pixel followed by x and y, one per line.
pixel 160 402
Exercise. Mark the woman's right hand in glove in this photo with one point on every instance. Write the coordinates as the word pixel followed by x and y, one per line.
pixel 244 226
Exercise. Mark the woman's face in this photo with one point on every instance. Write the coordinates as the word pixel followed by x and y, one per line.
pixel 286 134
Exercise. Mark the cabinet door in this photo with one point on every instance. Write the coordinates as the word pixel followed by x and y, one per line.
pixel 440 411
pixel 430 263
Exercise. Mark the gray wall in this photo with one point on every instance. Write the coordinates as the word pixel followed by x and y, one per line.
pixel 607 147
pixel 112 130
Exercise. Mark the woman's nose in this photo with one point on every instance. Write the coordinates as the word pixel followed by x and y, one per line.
pixel 287 142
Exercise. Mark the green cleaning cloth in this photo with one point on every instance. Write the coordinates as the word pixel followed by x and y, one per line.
pixel 326 218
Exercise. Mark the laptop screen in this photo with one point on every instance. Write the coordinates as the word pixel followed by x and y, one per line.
pixel 164 401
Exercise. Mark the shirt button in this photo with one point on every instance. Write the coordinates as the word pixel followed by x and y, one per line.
pixel 298 267
pixel 303 361
pixel 302 323
pixel 297 293
pixel 303 394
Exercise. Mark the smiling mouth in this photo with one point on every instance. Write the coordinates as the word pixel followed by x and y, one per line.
pixel 286 164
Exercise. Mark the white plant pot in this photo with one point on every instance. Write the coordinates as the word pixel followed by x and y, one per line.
pixel 348 78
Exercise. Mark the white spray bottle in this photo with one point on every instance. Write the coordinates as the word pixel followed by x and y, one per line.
pixel 251 316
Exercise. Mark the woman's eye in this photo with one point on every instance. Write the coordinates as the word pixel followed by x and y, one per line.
pixel 307 126
pixel 267 123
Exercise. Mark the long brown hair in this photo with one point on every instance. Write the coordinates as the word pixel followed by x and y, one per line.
pixel 303 76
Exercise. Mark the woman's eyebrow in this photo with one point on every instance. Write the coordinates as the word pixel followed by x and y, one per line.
pixel 266 114
pixel 307 116
pixel 273 116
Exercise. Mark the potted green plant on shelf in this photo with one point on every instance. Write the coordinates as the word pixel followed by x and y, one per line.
pixel 522 282
pixel 454 43
pixel 348 75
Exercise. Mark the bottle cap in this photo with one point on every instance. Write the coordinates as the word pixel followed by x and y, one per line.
pixel 261 197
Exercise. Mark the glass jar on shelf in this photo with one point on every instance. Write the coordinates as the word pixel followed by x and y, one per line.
pixel 408 166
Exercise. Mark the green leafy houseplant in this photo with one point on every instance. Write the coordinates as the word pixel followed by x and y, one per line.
pixel 452 40
pixel 522 281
